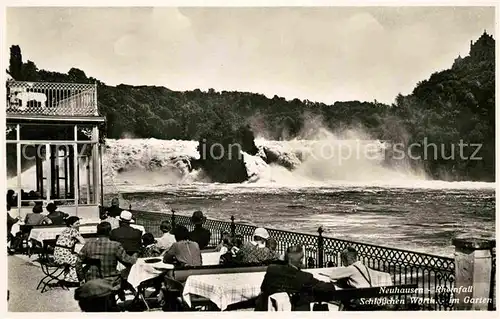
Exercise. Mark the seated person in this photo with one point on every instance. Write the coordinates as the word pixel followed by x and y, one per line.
pixel 184 252
pixel 109 252
pixel 256 252
pixel 114 210
pixel 129 237
pixel 272 244
pixel 111 220
pixel 55 216
pixel 225 244
pixel 354 274
pixel 97 296
pixel 236 242
pixel 10 222
pixel 167 239
pixel 234 246
pixel 11 198
pixel 149 247
pixel 301 286
pixel 63 251
pixel 36 218
pixel 199 234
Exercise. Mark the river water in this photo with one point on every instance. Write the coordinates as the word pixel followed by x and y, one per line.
pixel 422 218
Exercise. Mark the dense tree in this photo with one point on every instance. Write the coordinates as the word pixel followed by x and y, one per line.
pixel 452 106
pixel 29 71
pixel 15 62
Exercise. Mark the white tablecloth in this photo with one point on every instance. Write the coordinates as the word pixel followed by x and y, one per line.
pixel 44 233
pixel 227 289
pixel 142 271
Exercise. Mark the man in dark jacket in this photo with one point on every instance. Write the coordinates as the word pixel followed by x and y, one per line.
pixel 130 238
pixel 301 286
pixel 199 234
pixel 114 210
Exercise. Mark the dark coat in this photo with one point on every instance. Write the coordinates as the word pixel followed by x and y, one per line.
pixel 114 211
pixel 301 286
pixel 57 218
pixel 201 236
pixel 129 237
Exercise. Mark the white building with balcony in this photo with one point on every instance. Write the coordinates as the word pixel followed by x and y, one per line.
pixel 53 147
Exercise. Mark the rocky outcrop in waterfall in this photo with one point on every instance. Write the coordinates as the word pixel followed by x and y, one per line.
pixel 153 161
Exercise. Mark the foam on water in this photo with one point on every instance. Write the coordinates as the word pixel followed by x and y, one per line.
pixel 159 165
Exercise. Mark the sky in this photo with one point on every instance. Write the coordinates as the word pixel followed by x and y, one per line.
pixel 322 54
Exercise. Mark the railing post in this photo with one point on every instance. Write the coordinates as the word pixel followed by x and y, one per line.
pixel 233 227
pixel 321 247
pixel 473 266
pixel 310 262
pixel 172 219
pixel 129 207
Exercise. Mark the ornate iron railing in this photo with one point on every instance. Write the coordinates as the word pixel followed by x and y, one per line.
pixel 48 98
pixel 406 267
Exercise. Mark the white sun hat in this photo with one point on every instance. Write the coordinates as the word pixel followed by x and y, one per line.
pixel 261 232
pixel 126 216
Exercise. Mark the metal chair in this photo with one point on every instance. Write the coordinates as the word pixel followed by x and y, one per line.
pixel 53 271
pixel 21 242
pixel 174 302
pixel 89 262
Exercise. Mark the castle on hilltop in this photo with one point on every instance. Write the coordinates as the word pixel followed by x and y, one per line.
pixel 482 49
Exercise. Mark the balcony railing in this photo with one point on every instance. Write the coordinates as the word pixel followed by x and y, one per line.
pixel 405 267
pixel 51 99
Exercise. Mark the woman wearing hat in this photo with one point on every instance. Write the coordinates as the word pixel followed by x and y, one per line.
pixel 63 252
pixel 255 252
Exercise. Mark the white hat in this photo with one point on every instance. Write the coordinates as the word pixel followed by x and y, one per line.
pixel 261 232
pixel 126 216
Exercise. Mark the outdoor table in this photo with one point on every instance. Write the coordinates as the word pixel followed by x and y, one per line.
pixel 227 289
pixel 142 271
pixel 50 232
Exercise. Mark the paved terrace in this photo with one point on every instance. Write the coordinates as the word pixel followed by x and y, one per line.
pixel 23 276
pixel 24 273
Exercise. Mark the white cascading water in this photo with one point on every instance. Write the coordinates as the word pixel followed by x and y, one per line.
pixel 322 158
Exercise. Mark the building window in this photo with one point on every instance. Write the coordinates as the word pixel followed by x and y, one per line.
pixel 42 168
pixel 86 177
